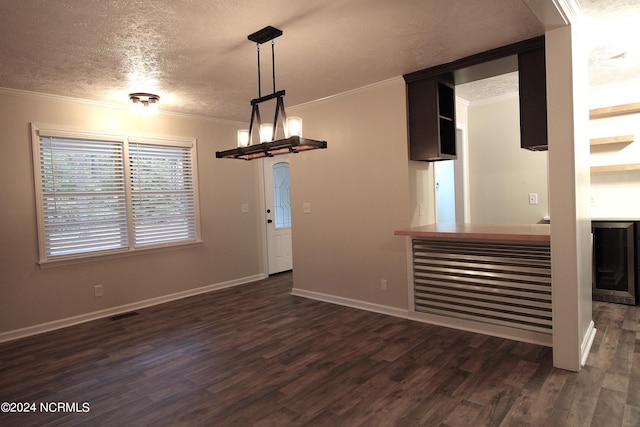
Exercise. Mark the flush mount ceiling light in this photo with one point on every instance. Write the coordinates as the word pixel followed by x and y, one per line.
pixel 269 146
pixel 144 103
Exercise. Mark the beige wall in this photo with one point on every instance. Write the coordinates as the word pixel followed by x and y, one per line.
pixel 501 174
pixel 31 295
pixel 359 194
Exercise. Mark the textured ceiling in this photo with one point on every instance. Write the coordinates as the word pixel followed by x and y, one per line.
pixel 195 54
pixel 612 29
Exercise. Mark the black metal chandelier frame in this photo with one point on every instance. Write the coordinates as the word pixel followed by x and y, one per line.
pixel 289 144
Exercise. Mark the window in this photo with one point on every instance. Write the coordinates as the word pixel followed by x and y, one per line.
pixel 281 198
pixel 107 193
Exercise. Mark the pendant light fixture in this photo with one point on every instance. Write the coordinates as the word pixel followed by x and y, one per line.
pixel 269 146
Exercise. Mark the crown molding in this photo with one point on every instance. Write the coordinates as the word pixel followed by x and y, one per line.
pixel 555 13
pixel 389 82
pixel 112 106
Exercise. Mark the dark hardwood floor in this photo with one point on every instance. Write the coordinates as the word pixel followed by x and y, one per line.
pixel 255 355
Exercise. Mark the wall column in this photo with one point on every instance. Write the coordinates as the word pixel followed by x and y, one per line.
pixel 569 183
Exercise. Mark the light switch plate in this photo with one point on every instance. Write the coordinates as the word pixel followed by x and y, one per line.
pixel 533 198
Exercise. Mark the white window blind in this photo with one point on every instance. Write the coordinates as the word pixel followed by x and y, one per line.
pixel 162 193
pixel 83 196
pixel 103 193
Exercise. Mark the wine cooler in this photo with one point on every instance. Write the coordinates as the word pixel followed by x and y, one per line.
pixel 614 262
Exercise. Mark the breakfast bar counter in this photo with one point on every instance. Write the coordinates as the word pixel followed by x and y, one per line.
pixel 513 232
pixel 489 278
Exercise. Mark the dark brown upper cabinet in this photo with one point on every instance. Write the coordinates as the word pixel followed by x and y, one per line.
pixel 431 98
pixel 432 119
pixel 532 80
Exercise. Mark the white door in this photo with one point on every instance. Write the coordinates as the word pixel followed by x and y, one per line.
pixel 278 213
pixel 445 192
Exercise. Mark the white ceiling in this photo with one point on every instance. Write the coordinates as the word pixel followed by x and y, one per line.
pixel 196 56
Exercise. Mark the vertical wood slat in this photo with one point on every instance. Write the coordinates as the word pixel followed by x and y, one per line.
pixel 507 284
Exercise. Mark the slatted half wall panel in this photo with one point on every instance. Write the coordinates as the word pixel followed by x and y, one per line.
pixel 507 284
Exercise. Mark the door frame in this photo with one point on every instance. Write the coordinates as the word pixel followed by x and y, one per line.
pixel 461 178
pixel 263 215
pixel 263 220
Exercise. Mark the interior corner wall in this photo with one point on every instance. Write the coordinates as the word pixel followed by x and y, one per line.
pixel 358 191
pixel 31 295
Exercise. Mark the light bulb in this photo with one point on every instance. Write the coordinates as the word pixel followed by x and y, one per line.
pixel 243 137
pixel 152 107
pixel 266 132
pixel 294 126
pixel 146 111
pixel 136 107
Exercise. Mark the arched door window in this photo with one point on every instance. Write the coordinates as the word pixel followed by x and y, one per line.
pixel 281 200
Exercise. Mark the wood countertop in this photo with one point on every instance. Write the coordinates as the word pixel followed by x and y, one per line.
pixel 513 232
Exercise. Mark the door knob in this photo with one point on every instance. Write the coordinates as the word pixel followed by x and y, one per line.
pixel 269 221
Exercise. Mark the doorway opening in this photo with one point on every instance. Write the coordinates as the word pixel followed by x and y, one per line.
pixel 450 185
pixel 277 196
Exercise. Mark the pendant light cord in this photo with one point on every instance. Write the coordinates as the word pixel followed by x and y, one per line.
pixel 273 64
pixel 259 83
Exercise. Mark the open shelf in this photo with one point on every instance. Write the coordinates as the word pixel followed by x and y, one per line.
pixel 615 110
pixel 616 168
pixel 619 139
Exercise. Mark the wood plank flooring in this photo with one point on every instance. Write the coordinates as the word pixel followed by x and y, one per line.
pixel 256 356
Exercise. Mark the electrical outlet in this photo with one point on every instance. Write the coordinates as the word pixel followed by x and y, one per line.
pixel 244 208
pixel 383 284
pixel 97 291
pixel 306 207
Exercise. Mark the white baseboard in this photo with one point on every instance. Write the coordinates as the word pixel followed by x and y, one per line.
pixel 461 324
pixel 70 321
pixel 587 342
pixel 348 302
pixel 506 332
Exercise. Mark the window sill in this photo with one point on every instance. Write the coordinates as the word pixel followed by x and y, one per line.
pixel 84 258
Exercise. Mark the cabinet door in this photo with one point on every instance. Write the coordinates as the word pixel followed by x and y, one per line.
pixel 431 116
pixel 533 100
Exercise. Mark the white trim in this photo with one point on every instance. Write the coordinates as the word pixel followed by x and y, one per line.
pixel 70 131
pixel 388 82
pixel 462 101
pixel 410 294
pixel 70 321
pixel 124 107
pixel 571 11
pixel 547 13
pixel 39 130
pixel 587 342
pixel 263 218
pixel 466 186
pixel 348 302
pixel 461 324
pixel 118 253
pixel 484 328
